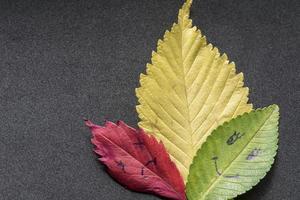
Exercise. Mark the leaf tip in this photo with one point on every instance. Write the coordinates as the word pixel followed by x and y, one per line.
pixel 275 107
pixel 88 122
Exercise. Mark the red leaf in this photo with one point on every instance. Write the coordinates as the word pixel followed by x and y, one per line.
pixel 137 160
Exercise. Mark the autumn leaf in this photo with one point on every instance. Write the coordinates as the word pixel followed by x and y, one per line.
pixel 235 157
pixel 137 160
pixel 188 90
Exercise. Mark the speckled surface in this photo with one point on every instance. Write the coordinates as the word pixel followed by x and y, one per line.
pixel 63 60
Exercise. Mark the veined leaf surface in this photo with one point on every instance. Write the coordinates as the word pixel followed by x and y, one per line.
pixel 235 157
pixel 136 160
pixel 188 90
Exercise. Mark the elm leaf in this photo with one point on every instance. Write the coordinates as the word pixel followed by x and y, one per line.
pixel 137 160
pixel 235 156
pixel 188 90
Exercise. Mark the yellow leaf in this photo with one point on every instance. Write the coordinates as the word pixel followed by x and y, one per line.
pixel 188 90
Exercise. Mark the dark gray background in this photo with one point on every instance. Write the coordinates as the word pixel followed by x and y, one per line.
pixel 61 61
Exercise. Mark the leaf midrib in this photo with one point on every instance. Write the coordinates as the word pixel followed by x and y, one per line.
pixel 185 90
pixel 216 180
pixel 156 175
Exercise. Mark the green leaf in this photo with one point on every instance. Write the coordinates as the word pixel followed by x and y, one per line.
pixel 188 90
pixel 235 157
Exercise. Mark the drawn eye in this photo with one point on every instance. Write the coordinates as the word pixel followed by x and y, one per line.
pixel 234 137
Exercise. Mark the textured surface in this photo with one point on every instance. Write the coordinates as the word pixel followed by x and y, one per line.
pixel 189 89
pixel 61 61
pixel 235 157
pixel 137 160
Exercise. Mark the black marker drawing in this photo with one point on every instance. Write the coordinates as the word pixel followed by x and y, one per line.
pixel 232 176
pixel 253 154
pixel 151 161
pixel 142 171
pixel 215 158
pixel 121 165
pixel 148 163
pixel 216 165
pixel 139 143
pixel 235 136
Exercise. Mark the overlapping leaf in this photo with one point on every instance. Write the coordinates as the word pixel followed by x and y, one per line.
pixel 235 157
pixel 136 160
pixel 188 90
